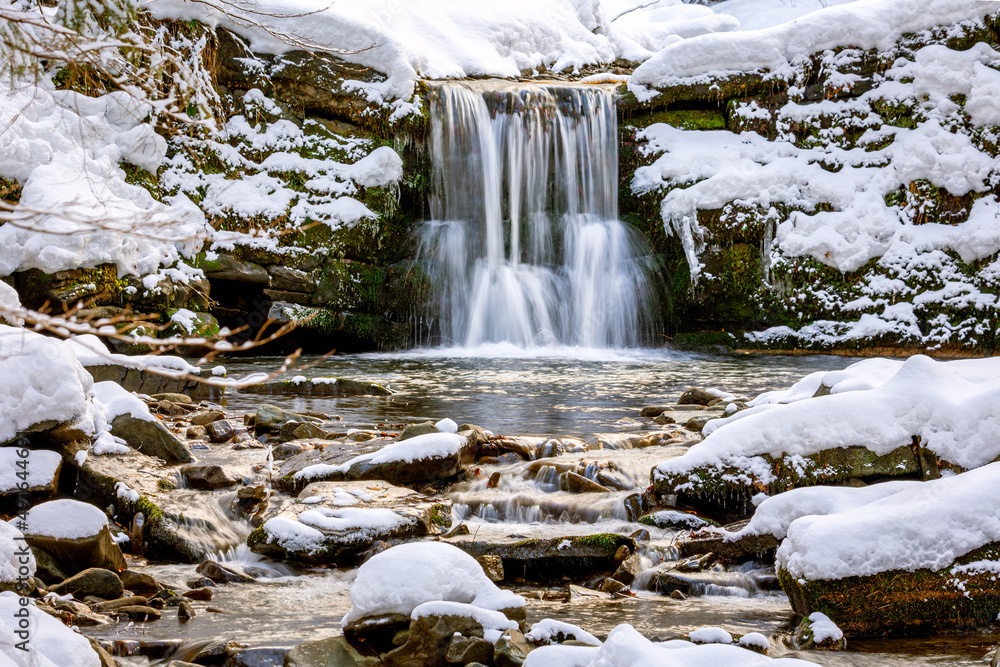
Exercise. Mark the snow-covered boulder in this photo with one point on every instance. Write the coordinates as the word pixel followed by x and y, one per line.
pixel 336 522
pixel 39 471
pixel 44 384
pixel 392 584
pixel 424 458
pixel 924 557
pixel 74 533
pixel 874 420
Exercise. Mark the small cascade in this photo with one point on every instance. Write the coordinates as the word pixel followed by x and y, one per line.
pixel 207 527
pixel 525 246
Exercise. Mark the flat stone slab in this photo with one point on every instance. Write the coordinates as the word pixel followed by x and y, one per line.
pixel 336 522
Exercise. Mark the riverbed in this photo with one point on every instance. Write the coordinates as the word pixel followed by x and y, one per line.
pixel 562 392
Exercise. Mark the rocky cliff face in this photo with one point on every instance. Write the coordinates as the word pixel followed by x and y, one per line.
pixel 848 200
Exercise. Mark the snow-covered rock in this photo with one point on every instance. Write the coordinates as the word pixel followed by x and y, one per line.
pixel 398 580
pixel 44 383
pixel 937 541
pixel 336 522
pixel 422 458
pixel 40 469
pixel 76 534
pixel 864 428
pixel 13 564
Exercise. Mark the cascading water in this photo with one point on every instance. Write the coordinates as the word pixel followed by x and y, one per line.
pixel 525 245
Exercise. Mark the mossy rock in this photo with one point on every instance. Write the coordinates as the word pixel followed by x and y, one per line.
pixel 898 602
pixel 724 491
pixel 98 286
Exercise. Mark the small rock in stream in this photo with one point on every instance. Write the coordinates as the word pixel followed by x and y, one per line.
pixel 220 431
pixel 185 611
pixel 221 574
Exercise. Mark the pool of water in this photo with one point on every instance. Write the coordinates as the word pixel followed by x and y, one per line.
pixel 556 392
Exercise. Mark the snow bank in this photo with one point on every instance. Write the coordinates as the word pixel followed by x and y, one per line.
pixel 42 381
pixel 10 561
pixel 64 149
pixel 418 448
pixel 951 406
pixel 406 576
pixel 51 644
pixel 864 24
pixel 627 648
pixel 926 525
pixel 40 464
pixel 65 519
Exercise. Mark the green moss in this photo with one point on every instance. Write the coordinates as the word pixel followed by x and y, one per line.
pixel 166 484
pixel 440 516
pixel 685 119
pixel 608 542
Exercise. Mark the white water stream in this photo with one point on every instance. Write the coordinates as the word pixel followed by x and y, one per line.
pixel 525 246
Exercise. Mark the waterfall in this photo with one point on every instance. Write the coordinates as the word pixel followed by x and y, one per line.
pixel 524 245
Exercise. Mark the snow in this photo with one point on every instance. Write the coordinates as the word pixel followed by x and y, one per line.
pixel 293 535
pixel 10 305
pixel 627 648
pixel 64 149
pixel 824 629
pixel 40 464
pixel 42 381
pixel 775 514
pixel 447 425
pixel 90 350
pixel 864 24
pixel 51 644
pixel 711 636
pixel 926 525
pixel 364 522
pixel 755 640
pixel 493 622
pixel 402 578
pixel 418 448
pixel 546 630
pixel 950 405
pixel 116 401
pixel 263 154
pixel 187 319
pixel 10 562
pixel 65 519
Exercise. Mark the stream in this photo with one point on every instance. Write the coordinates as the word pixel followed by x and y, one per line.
pixel 561 393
